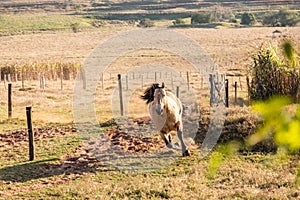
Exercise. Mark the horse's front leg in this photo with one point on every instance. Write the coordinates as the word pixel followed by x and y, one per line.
pixel 185 151
pixel 167 139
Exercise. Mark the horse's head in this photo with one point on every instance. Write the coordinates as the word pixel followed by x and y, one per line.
pixel 160 99
pixel 156 94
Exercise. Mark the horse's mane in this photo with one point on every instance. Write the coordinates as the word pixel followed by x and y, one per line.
pixel 149 93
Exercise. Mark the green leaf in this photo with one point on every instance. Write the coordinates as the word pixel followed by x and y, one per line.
pixel 291 136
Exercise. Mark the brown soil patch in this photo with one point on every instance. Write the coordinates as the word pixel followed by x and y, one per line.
pixel 21 135
pixel 132 143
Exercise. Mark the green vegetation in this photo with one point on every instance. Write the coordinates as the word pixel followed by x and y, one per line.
pixel 281 122
pixel 254 176
pixel 88 14
pixel 201 18
pixel 17 22
pixel 274 80
pixel 273 75
pixel 15 167
pixel 77 21
pixel 222 153
pixel 179 21
pixel 248 19
pixel 75 27
pixel 146 23
pixel 283 17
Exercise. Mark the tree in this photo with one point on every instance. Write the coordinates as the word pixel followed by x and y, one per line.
pixel 283 17
pixel 271 19
pixel 248 19
pixel 288 18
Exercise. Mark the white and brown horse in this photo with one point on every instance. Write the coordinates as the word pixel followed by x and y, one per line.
pixel 166 113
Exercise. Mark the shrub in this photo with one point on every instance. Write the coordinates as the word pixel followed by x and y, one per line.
pixel 75 27
pixel 179 21
pixel 97 23
pixel 248 19
pixel 201 18
pixel 146 23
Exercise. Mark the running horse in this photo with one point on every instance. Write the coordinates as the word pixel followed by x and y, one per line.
pixel 166 113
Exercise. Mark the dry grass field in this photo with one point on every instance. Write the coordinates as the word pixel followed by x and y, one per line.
pixel 65 169
pixel 229 48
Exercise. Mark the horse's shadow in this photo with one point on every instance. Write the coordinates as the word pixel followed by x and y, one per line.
pixel 44 169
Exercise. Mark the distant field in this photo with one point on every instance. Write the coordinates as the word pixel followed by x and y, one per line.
pixel 19 22
pixel 228 47
pixel 146 5
pixel 21 17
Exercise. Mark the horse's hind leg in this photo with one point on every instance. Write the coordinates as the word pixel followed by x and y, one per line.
pixel 185 151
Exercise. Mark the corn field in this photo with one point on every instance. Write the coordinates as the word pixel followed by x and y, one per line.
pixel 36 70
pixel 271 76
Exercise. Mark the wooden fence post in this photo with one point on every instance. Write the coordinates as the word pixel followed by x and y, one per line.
pixel 82 72
pixel 30 133
pixel 42 82
pixel 9 100
pixel 61 79
pixel 188 80
pixel 241 86
pixel 102 79
pixel 121 95
pixel 248 87
pixel 126 77
pixel 235 92
pixel 212 87
pixel 226 93
pixel 22 78
pixel 177 91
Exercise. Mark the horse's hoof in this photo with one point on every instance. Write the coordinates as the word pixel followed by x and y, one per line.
pixel 169 145
pixel 186 153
